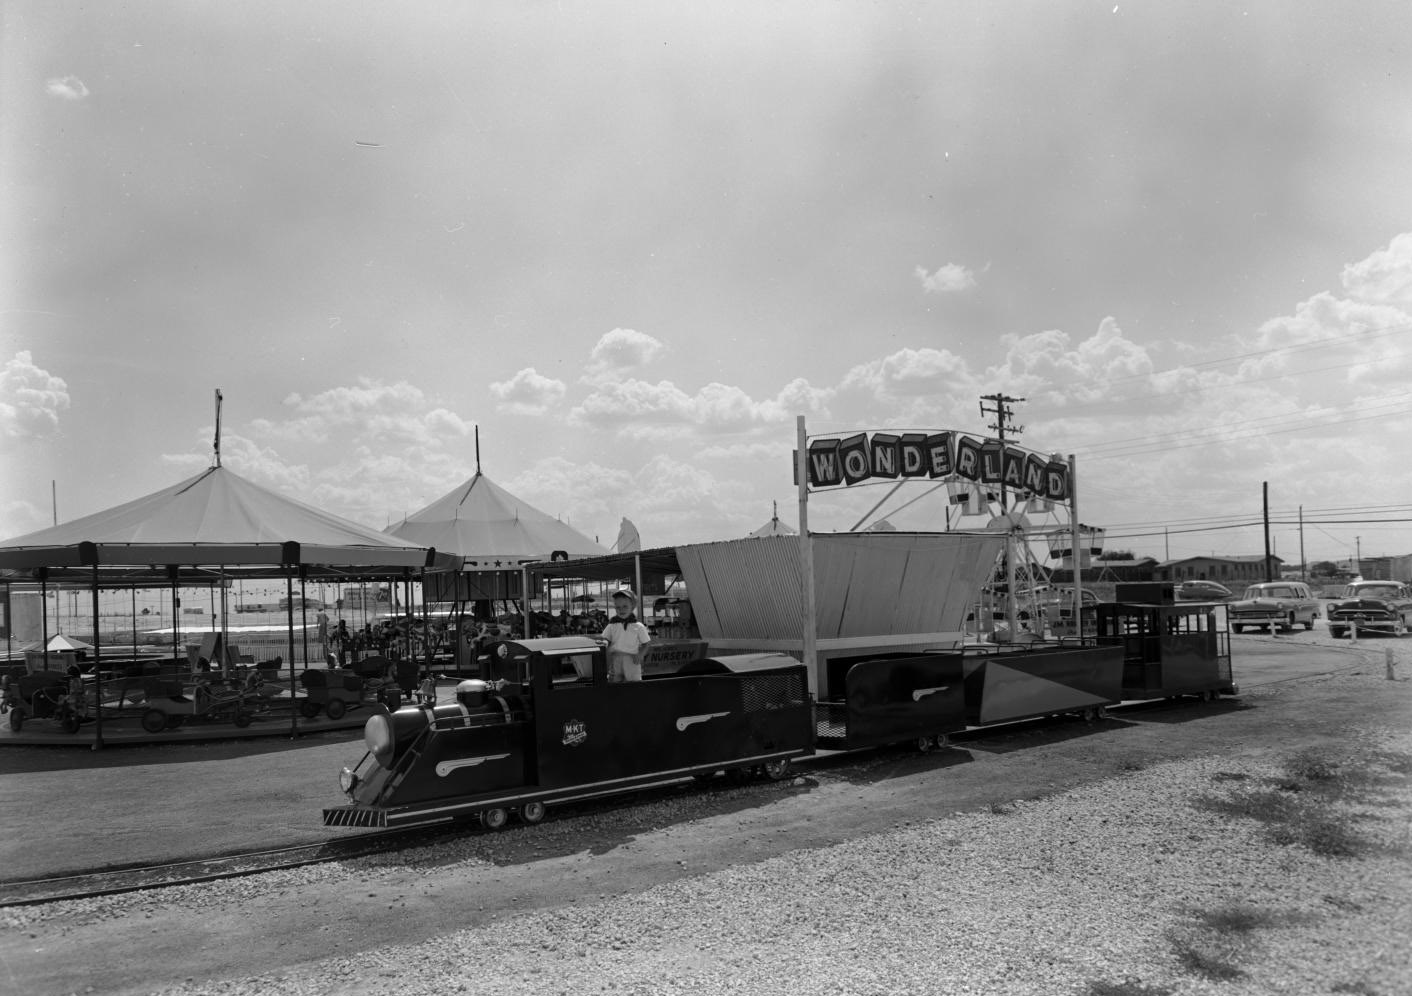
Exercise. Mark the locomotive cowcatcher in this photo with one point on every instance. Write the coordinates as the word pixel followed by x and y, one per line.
pixel 544 725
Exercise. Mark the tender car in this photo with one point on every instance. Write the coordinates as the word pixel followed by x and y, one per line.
pixel 1203 591
pixel 1381 606
pixel 1271 604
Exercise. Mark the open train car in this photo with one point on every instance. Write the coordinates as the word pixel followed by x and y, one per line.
pixel 544 725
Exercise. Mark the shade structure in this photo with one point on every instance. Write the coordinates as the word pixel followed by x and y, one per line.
pixel 215 517
pixel 489 529
pixel 59 642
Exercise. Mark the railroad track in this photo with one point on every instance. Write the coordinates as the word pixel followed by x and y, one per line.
pixel 110 882
pixel 107 882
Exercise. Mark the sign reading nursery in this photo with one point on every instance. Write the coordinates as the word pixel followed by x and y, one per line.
pixel 853 459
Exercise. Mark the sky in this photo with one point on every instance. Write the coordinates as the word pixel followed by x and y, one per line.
pixel 631 243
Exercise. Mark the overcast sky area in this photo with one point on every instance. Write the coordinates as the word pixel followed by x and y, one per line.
pixel 632 242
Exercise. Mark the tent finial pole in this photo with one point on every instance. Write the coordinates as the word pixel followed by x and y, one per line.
pixel 477 449
pixel 216 445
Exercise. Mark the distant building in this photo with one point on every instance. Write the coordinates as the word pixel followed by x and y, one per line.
pixel 1387 568
pixel 1096 570
pixel 1222 569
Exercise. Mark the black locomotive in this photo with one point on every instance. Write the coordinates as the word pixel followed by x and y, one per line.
pixel 544 725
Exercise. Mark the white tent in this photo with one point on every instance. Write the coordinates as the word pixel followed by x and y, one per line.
pixel 774 527
pixel 491 529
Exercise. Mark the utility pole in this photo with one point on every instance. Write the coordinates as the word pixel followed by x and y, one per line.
pixel 1303 565
pixel 1003 413
pixel 1358 562
pixel 1265 493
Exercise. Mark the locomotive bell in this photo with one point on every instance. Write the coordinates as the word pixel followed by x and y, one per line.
pixel 473 693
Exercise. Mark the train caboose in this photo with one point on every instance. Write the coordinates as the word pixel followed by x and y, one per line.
pixel 544 725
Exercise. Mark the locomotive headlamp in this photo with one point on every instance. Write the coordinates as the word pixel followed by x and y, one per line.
pixel 347 780
pixel 378 737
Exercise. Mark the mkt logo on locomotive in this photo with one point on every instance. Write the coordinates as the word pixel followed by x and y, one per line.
pixel 575 732
pixel 852 459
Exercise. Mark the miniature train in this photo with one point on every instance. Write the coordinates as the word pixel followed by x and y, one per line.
pixel 544 725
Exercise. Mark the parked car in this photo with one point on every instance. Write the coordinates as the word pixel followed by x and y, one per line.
pixel 1271 604
pixel 1383 606
pixel 1203 591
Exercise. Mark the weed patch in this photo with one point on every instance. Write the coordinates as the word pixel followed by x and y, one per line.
pixel 1128 987
pixel 1205 964
pixel 1315 803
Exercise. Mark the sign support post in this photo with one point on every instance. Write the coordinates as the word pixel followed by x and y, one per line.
pixel 1074 539
pixel 806 559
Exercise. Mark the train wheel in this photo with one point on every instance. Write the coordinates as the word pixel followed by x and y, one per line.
pixel 17 719
pixel 336 708
pixel 777 771
pixel 532 812
pixel 704 777
pixel 494 819
pixel 942 741
pixel 1090 714
pixel 242 720
pixel 69 723
pixel 1102 712
pixel 925 744
pixel 309 708
pixel 154 721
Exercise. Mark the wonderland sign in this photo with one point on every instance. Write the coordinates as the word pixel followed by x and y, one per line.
pixel 867 456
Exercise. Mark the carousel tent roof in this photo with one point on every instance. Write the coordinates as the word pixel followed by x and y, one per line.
pixel 489 528
pixel 214 518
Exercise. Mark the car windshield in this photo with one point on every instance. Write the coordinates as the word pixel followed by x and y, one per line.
pixel 1255 591
pixel 1376 591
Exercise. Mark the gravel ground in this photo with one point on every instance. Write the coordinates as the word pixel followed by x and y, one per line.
pixel 1267 872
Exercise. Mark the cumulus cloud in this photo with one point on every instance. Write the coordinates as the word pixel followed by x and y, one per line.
pixel 949 279
pixel 528 393
pixel 669 500
pixel 643 410
pixel 623 349
pixel 1362 332
pixel 66 88
pixel 371 452
pixel 245 456
pixel 31 399
pixel 1385 277
pixel 909 373
pixel 1051 365
pixel 394 414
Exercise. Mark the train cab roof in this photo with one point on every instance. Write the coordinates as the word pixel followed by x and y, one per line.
pixel 757 663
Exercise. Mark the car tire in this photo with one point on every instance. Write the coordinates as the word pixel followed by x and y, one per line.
pixel 1337 632
pixel 1237 628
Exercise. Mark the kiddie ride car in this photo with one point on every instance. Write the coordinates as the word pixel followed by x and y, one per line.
pixel 167 705
pixel 45 695
pixel 373 679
